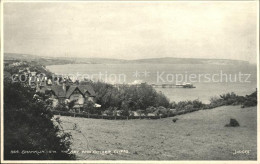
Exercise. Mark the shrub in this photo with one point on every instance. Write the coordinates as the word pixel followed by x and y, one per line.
pixel 125 112
pixel 250 100
pixel 151 109
pixel 173 105
pixel 228 96
pixel 28 125
pixel 215 102
pixel 233 99
pixel 61 107
pixel 232 123
pixel 108 112
pixel 188 108
pixel 131 97
pixel 174 120
pixel 89 108
pixel 141 112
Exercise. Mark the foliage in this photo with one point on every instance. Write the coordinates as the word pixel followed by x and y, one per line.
pixel 173 105
pixel 33 66
pixel 233 99
pixel 141 112
pixel 233 123
pixel 89 108
pixel 62 106
pixel 161 111
pixel 188 105
pixel 128 97
pixel 150 109
pixel 174 119
pixel 71 104
pixel 250 100
pixel 109 111
pixel 28 126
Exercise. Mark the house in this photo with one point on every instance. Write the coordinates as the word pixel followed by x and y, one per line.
pixel 66 93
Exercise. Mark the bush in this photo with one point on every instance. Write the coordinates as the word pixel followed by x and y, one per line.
pixel 188 108
pixel 108 112
pixel 141 112
pixel 62 107
pixel 215 102
pixel 233 99
pixel 28 125
pixel 173 105
pixel 249 103
pixel 174 120
pixel 250 100
pixel 197 104
pixel 130 97
pixel 151 109
pixel 232 123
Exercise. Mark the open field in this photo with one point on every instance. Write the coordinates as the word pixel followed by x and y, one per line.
pixel 199 135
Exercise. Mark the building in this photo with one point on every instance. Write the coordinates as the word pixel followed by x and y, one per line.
pixel 80 94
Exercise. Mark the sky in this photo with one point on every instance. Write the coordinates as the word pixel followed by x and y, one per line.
pixel 133 30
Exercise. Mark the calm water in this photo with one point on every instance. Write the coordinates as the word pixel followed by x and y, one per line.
pixel 210 80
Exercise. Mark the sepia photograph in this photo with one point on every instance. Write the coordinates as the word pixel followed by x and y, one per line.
pixel 129 81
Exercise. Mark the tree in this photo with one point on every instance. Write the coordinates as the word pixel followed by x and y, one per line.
pixel 61 106
pixel 136 97
pixel 71 104
pixel 28 125
pixel 125 111
pixel 150 109
pixel 89 108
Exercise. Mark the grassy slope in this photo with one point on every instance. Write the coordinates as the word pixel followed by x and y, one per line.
pixel 196 136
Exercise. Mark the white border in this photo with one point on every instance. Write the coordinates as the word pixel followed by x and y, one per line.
pixel 120 161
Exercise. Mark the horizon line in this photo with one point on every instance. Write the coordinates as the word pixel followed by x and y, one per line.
pixel 49 56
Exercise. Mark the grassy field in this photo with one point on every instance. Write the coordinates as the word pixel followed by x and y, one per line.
pixel 199 135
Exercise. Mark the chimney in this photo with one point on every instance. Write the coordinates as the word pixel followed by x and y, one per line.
pixel 64 86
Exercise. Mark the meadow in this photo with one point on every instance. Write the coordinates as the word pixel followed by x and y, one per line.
pixel 200 135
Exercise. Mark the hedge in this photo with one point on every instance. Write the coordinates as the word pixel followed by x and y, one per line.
pixel 95 116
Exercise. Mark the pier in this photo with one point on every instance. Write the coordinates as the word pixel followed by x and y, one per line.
pixel 188 85
pixel 184 85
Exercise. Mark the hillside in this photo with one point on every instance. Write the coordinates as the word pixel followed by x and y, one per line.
pixel 195 136
pixel 70 60
pixel 38 59
pixel 169 60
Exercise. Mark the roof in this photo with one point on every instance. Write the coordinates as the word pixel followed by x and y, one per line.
pixel 87 88
pixel 59 92
pixel 71 90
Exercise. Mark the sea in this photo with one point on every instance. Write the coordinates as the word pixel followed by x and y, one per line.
pixel 209 80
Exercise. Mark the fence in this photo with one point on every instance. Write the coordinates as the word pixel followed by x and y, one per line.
pixel 95 116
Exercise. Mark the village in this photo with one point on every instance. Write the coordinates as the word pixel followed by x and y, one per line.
pixel 72 96
pixel 63 90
